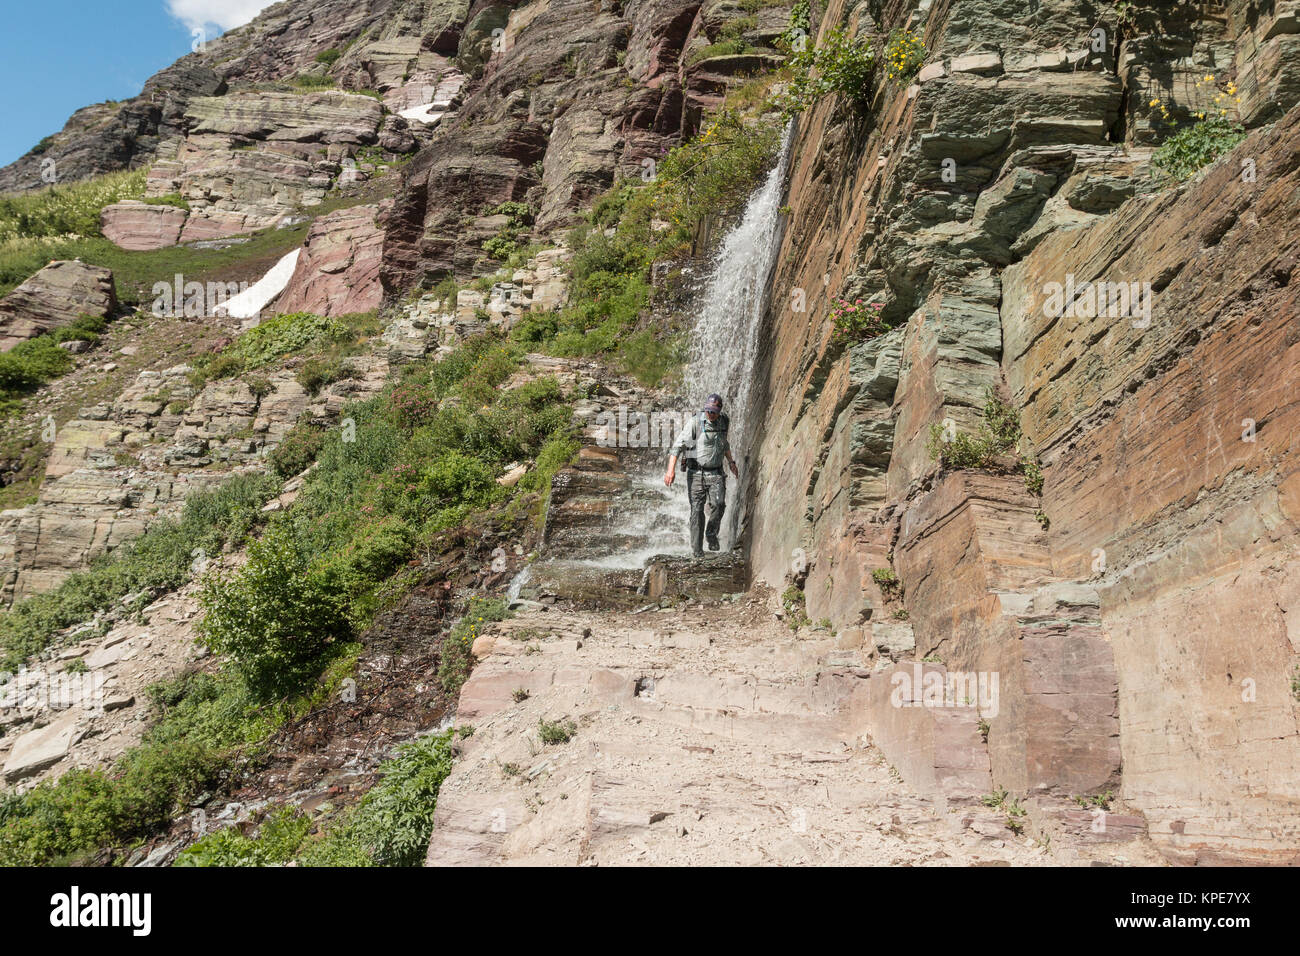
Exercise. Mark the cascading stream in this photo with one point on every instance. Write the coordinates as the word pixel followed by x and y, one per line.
pixel 724 341
pixel 647 518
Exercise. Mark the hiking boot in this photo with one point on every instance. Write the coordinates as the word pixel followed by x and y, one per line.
pixel 713 544
pixel 697 554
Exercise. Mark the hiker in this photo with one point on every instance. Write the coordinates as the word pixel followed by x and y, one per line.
pixel 703 444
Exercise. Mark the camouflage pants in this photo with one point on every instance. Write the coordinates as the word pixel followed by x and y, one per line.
pixel 701 487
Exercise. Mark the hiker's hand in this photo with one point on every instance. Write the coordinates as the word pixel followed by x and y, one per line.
pixel 669 476
pixel 734 472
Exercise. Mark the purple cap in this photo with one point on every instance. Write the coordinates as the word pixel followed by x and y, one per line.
pixel 713 403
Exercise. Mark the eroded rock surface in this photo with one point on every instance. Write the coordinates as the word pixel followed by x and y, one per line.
pixel 58 295
pixel 1017 160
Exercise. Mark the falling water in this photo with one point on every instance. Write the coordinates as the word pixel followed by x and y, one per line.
pixel 724 342
pixel 647 518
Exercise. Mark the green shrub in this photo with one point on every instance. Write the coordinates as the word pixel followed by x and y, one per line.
pixel 259 385
pixel 203 737
pixel 29 365
pixel 904 55
pixel 886 580
pixel 839 66
pixel 297 450
pixel 277 841
pixel 277 617
pixel 795 604
pixel 392 824
pixel 282 334
pixel 556 732
pixel 650 359
pixel 1194 147
pixel 857 321
pixel 328 57
pixel 506 242
pixel 998 436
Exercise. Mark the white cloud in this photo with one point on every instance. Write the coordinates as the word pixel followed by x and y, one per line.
pixel 226 14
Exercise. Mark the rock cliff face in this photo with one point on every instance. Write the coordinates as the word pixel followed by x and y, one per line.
pixel 1136 611
pixel 572 95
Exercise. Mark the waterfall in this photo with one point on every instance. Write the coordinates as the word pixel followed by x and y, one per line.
pixel 724 341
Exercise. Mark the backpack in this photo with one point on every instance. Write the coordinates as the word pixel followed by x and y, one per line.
pixel 724 423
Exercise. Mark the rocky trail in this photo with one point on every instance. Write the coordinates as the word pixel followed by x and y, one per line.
pixel 703 735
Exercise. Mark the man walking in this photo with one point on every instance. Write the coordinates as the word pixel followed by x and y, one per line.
pixel 703 444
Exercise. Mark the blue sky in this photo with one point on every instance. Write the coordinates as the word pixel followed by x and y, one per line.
pixel 57 56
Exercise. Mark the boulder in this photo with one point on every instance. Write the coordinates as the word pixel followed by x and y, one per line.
pixel 139 227
pixel 59 294
pixel 338 270
pixel 42 748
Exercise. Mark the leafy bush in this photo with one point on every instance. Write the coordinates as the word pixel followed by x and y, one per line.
pixel 839 66
pixel 857 321
pixel 29 365
pixel 1194 147
pixel 650 359
pixel 393 822
pixel 203 737
pixel 277 617
pixel 506 242
pixel 277 840
pixel 554 732
pixel 297 450
pixel 904 55
pixel 998 436
pixel 328 57
pixel 281 335
pixel 886 580
pixel 715 172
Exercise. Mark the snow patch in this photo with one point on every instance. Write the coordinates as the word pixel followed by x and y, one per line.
pixel 260 294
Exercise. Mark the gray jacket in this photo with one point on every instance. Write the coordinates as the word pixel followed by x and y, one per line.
pixel 704 441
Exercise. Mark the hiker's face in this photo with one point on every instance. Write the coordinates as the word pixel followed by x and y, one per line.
pixel 713 416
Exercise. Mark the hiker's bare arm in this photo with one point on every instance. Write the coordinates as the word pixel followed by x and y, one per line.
pixel 672 470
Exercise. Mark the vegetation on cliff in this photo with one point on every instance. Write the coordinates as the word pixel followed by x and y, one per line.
pixel 400 470
pixel 389 827
pixel 994 447
pixel 642 221
pixel 163 558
